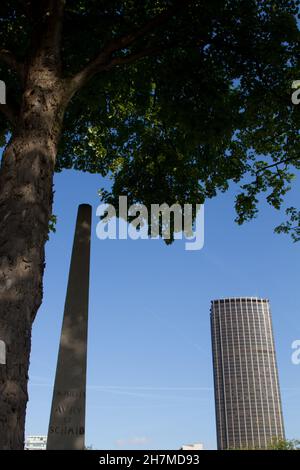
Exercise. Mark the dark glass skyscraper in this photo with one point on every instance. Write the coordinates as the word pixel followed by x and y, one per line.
pixel 247 395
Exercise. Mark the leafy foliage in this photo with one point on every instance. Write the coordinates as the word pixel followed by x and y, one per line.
pixel 212 105
pixel 277 444
pixel 52 223
pixel 284 444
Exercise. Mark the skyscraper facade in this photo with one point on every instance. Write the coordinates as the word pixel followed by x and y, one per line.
pixel 247 395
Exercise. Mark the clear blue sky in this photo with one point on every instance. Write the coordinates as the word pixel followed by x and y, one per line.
pixel 150 382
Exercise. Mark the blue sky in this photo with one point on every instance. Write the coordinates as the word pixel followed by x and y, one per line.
pixel 150 382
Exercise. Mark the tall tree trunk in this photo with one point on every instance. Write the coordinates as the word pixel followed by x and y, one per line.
pixel 26 176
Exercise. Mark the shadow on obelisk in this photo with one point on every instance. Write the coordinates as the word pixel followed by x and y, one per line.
pixel 67 419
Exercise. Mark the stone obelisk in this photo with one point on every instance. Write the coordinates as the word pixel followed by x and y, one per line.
pixel 67 419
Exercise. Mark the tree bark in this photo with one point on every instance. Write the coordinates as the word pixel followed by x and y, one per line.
pixel 26 177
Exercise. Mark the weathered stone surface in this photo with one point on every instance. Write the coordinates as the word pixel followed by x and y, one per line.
pixel 67 420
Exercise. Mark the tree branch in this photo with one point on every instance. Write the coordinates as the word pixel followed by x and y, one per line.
pixel 286 160
pixel 46 39
pixel 105 59
pixel 56 21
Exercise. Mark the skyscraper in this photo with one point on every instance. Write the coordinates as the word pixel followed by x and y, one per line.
pixel 247 395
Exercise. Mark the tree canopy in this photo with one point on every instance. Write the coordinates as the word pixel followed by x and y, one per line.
pixel 191 96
